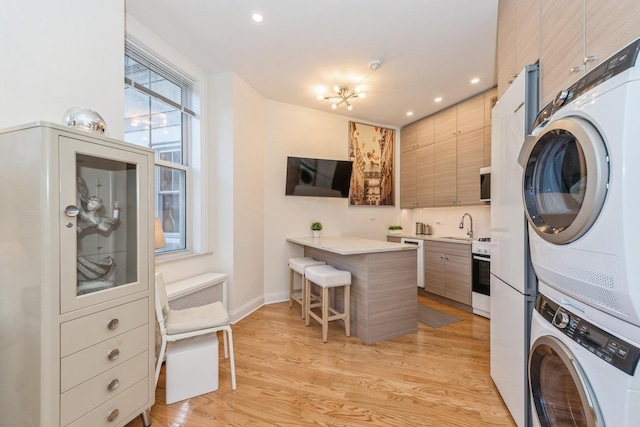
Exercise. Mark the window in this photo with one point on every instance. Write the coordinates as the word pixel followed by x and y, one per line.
pixel 158 116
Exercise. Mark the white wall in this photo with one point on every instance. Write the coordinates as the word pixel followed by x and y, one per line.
pixel 236 141
pixel 297 131
pixel 55 55
pixel 445 221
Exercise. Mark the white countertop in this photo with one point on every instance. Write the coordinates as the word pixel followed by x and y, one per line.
pixel 450 239
pixel 345 245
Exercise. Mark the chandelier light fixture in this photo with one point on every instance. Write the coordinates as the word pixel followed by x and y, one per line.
pixel 342 96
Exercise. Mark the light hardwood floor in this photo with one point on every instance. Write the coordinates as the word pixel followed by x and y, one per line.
pixel 286 376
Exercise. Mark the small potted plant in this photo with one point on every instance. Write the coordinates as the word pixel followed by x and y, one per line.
pixel 315 228
pixel 395 229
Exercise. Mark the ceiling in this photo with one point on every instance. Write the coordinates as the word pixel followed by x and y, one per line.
pixel 428 49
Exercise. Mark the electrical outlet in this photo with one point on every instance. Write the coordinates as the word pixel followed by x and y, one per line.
pixel 372 217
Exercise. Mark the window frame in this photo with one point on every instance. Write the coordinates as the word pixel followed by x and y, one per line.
pixel 193 150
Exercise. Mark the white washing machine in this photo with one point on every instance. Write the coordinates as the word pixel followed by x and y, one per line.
pixel 581 188
pixel 581 373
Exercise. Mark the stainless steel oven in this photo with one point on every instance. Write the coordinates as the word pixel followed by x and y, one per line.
pixel 480 296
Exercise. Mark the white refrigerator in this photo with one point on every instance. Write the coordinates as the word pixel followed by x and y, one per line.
pixel 513 283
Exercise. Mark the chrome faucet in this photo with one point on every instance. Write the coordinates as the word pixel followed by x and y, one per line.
pixel 470 229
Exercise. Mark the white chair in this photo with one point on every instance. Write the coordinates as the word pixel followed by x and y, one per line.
pixel 176 325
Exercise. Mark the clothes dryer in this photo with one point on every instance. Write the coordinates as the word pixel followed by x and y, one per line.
pixel 581 172
pixel 580 373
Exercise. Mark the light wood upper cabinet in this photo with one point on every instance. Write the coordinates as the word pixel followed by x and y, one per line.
pixel 469 161
pixel 487 146
pixel 506 44
pixel 470 115
pixel 570 37
pixel 425 171
pixel 610 25
pixel 445 174
pixel 408 179
pixel 562 46
pixel 417 165
pixel 425 129
pixel 408 137
pixel 490 99
pixel 518 38
pixel 527 33
pixel 441 155
pixel 445 124
pixel 577 36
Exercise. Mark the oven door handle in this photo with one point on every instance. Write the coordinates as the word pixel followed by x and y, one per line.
pixel 482 257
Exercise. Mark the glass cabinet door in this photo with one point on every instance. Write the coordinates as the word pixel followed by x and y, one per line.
pixel 104 239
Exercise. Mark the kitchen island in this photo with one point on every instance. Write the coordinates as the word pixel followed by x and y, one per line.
pixel 383 283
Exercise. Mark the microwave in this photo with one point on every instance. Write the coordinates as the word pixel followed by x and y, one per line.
pixel 485 184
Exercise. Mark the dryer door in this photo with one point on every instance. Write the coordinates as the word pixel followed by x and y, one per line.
pixel 566 172
pixel 560 391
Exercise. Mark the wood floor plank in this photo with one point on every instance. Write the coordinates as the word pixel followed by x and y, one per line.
pixel 287 377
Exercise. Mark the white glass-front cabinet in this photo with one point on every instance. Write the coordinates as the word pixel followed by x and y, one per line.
pixel 76 297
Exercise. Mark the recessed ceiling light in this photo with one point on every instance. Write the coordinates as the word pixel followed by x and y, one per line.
pixel 438 99
pixel 409 113
pixel 257 17
pixel 475 80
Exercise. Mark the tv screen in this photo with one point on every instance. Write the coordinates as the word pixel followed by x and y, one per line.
pixel 318 177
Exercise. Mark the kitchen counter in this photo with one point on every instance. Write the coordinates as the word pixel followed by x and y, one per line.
pixel 450 239
pixel 344 245
pixel 383 283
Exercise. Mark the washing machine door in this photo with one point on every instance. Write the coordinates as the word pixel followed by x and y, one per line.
pixel 565 178
pixel 560 391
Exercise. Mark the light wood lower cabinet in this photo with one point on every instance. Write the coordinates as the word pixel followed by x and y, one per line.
pixel 448 270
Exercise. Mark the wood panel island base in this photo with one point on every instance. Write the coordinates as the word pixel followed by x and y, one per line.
pixel 383 283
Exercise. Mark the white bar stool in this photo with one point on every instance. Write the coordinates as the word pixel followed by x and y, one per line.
pixel 299 265
pixel 327 277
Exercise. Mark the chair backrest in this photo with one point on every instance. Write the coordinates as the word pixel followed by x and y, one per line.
pixel 162 302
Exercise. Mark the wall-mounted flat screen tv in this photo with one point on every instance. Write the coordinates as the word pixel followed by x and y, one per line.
pixel 318 177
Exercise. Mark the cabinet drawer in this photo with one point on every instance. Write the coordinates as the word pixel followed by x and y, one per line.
pixel 130 400
pixel 83 398
pixel 84 332
pixel 459 249
pixel 88 363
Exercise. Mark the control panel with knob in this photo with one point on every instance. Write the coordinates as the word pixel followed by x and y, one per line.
pixel 561 319
pixel 611 349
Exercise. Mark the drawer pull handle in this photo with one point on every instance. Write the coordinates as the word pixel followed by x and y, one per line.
pixel 113 354
pixel 113 324
pixel 113 415
pixel 113 385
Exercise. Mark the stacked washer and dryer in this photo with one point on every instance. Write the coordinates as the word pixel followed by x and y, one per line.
pixel 581 191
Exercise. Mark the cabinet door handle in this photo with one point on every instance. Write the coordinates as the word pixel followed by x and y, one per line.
pixel 113 354
pixel 576 69
pixel 590 58
pixel 113 385
pixel 113 324
pixel 113 415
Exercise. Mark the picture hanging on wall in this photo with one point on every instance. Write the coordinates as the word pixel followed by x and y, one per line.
pixel 371 150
